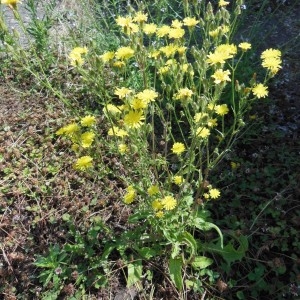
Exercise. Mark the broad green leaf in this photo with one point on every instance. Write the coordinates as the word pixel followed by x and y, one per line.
pixel 190 241
pixel 205 226
pixel 146 252
pixel 135 270
pixel 229 253
pixel 201 262
pixel 175 265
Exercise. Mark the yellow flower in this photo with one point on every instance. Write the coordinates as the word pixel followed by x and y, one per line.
pixel 260 91
pixel 245 46
pixel 178 180
pixel 190 22
pixel 178 148
pixel 122 148
pixel 200 117
pixel 206 196
pixel 217 57
pixel 272 64
pixel 130 195
pixel 223 3
pixel 212 123
pixel 107 56
pixel 149 28
pixel 203 132
pixel 133 119
pixel 184 94
pixel 114 110
pixel 163 70
pixel 181 50
pixel 117 132
pixel 69 129
pixel 221 109
pixel 140 17
pixel 234 165
pixel 147 95
pixel 156 204
pixel 119 64
pixel 169 202
pixel 271 53
pixel 169 50
pixel 123 92
pixel 124 53
pixel 124 21
pixel 214 193
pixel 87 139
pixel 176 33
pixel 221 76
pixel 210 106
pixel 176 24
pixel 214 33
pixel 75 56
pixel 137 103
pixel 159 214
pixel 163 31
pixel 11 3
pixel 83 163
pixel 154 54
pixel 153 190
pixel 88 121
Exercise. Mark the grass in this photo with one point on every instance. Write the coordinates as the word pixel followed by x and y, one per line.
pixel 67 234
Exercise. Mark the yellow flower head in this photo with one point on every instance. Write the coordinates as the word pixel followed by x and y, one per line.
pixel 221 109
pixel 245 46
pixel 159 214
pixel 184 94
pixel 124 53
pixel 190 22
pixel 147 95
pixel 69 129
pixel 134 118
pixel 122 148
pixel 260 91
pixel 156 204
pixel 271 53
pixel 114 110
pixel 83 163
pixel 123 92
pixel 223 3
pixel 138 103
pixel 87 139
pixel 88 121
pixel 272 64
pixel 203 132
pixel 176 33
pixel 140 17
pixel 178 148
pixel 178 180
pixel 214 193
pixel 221 76
pixel 107 56
pixel 169 50
pixel 169 202
pixel 153 190
pixel 149 28
pixel 75 56
pixel 176 24
pixel 163 31
pixel 117 132
pixel 130 195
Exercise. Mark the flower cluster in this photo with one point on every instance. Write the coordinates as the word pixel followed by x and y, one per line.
pixel 75 56
pixel 82 136
pixel 271 60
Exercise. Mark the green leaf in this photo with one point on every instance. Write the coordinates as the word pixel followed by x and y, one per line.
pixel 146 252
pixel 229 253
pixel 135 270
pixel 206 226
pixel 188 239
pixel 175 265
pixel 138 216
pixel 201 262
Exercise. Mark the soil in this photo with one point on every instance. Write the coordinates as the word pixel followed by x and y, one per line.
pixel 37 189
